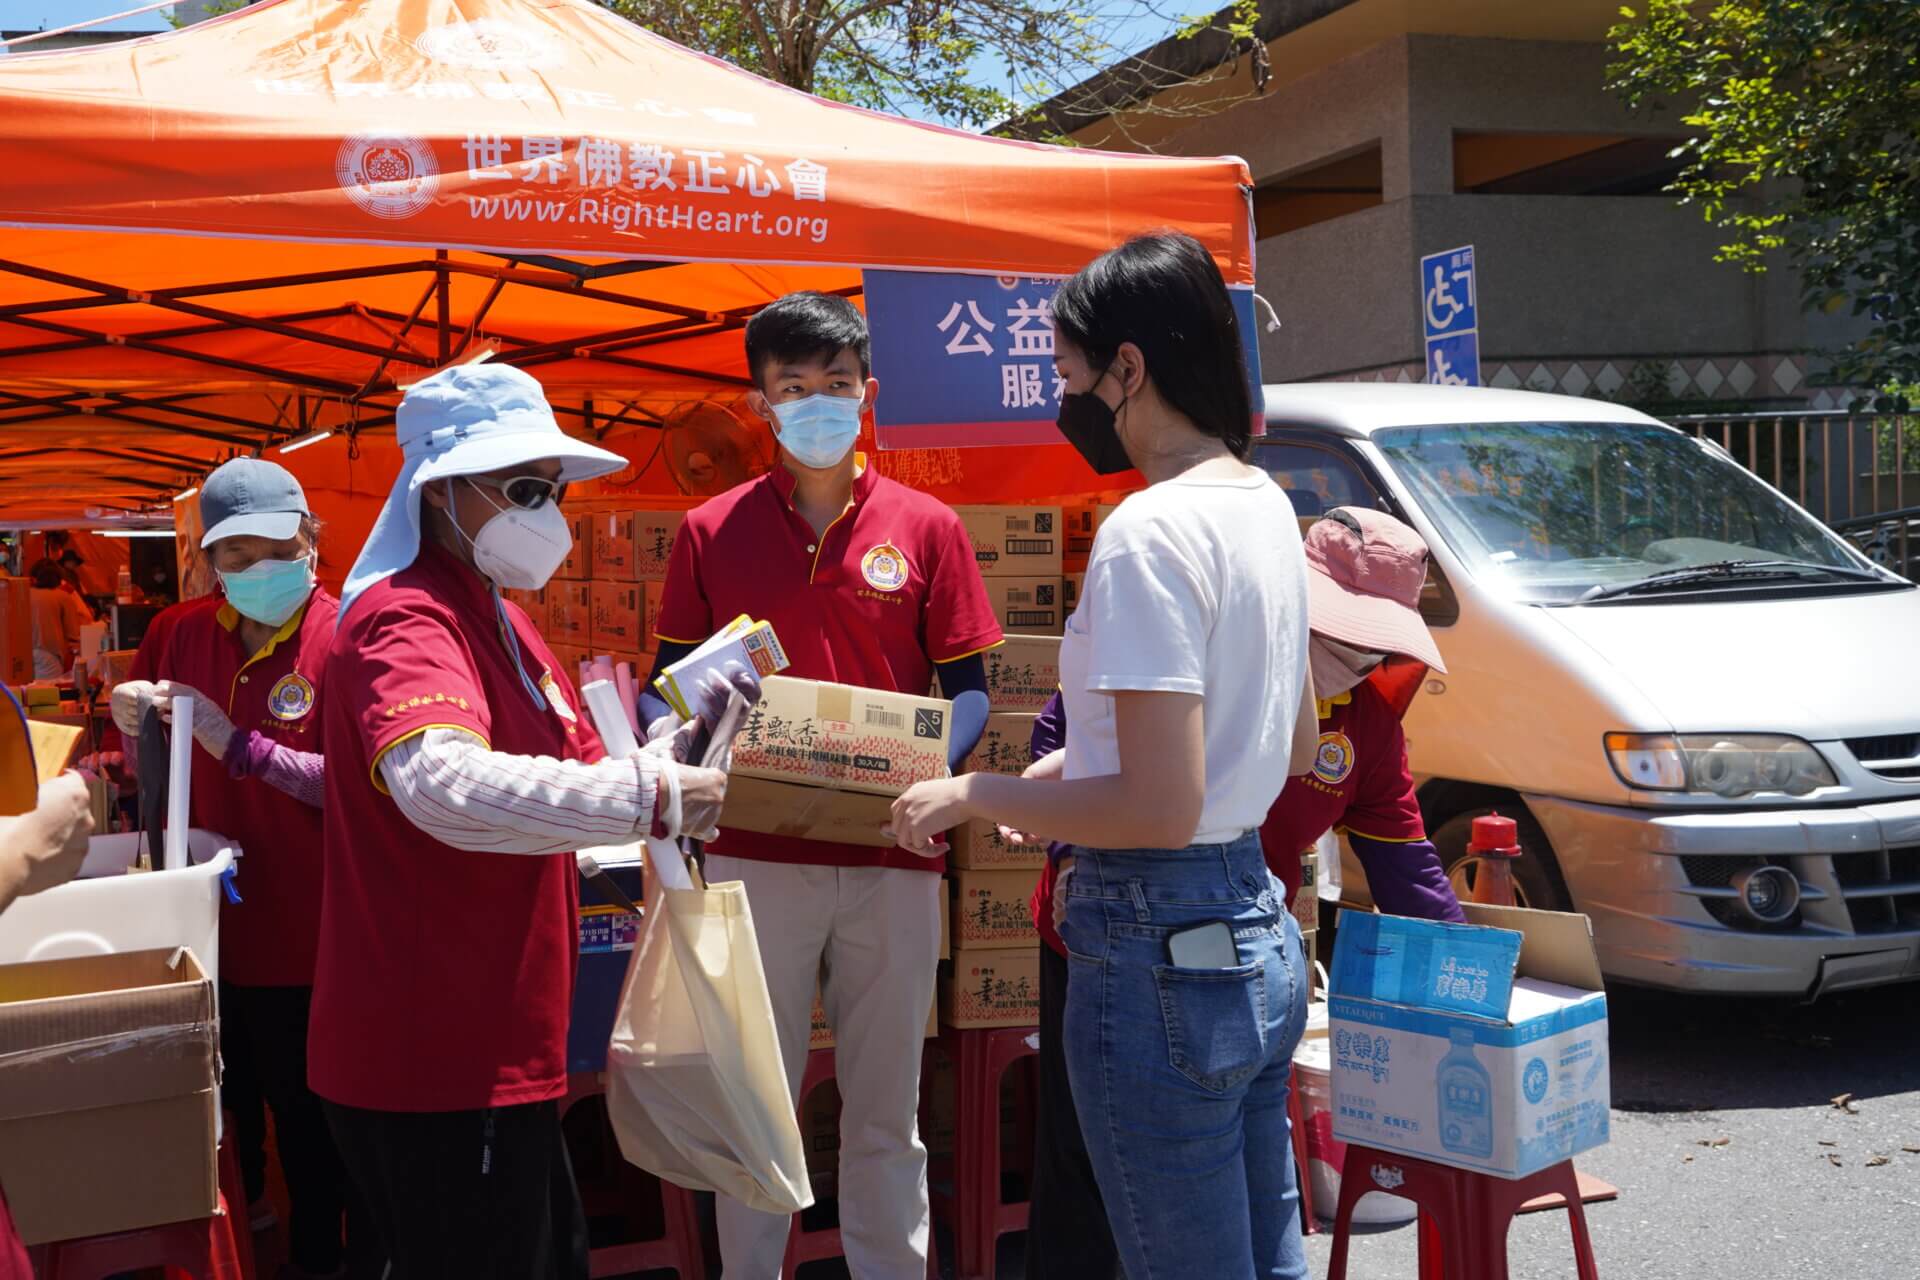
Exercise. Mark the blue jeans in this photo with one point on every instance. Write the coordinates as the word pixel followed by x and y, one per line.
pixel 1180 1075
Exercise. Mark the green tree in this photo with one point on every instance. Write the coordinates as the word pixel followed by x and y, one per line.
pixel 968 63
pixel 1805 120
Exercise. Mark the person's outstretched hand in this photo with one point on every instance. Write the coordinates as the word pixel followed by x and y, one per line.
pixel 211 727
pixel 45 848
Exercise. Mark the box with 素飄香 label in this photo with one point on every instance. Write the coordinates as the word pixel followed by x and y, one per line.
pixel 570 613
pixel 1023 673
pixel 1033 606
pixel 613 549
pixel 1082 521
pixel 1006 744
pixel 979 846
pixel 1481 1045
pixel 1014 542
pixel 578 566
pixel 618 617
pixel 654 533
pixel 993 909
pixel 991 988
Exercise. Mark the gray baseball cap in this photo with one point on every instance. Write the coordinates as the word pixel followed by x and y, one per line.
pixel 251 496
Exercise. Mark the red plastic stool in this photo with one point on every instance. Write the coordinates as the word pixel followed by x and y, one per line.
pixel 1463 1216
pixel 677 1248
pixel 1303 1172
pixel 202 1248
pixel 234 1191
pixel 812 1245
pixel 981 1059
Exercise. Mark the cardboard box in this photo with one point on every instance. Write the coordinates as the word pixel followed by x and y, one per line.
pixel 578 566
pixel 978 846
pixel 107 1114
pixel 1006 744
pixel 1482 1046
pixel 1023 673
pixel 569 657
pixel 16 630
pixel 1012 542
pixel 654 533
pixel 1306 902
pixel 993 909
pixel 837 736
pixel 570 613
pixel 991 989
pixel 613 549
pixel 1081 521
pixel 619 616
pixel 823 762
pixel 1071 585
pixel 1029 605
pixel 651 594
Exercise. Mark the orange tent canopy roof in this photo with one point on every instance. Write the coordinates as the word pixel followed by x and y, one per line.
pixel 272 220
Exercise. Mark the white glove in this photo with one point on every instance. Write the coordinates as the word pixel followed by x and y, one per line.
pixel 130 701
pixel 211 728
pixel 691 799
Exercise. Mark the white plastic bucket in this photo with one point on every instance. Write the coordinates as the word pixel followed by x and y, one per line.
pixel 107 911
pixel 1312 1076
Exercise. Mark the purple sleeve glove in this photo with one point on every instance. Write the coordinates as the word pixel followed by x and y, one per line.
pixel 1407 879
pixel 300 774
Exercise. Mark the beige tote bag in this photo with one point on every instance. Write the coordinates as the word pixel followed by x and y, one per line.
pixel 696 1088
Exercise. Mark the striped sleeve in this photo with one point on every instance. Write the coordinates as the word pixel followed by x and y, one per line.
pixel 452 787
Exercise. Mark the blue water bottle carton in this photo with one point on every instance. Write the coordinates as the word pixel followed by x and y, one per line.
pixel 1482 1046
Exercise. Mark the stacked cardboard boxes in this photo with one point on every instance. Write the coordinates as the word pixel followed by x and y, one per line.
pixel 1021 553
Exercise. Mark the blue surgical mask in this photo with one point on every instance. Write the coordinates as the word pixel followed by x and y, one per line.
pixel 270 591
pixel 820 429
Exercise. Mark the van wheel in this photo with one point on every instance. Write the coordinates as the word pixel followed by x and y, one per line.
pixel 1536 876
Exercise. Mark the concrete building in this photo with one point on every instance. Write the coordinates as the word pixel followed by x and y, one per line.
pixel 1389 129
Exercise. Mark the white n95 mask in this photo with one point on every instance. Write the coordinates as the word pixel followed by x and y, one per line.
pixel 518 549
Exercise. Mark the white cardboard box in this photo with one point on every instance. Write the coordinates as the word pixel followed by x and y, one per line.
pixel 1481 1046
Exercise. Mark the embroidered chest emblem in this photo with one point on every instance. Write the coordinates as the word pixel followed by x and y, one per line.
pixel 291 697
pixel 1334 759
pixel 884 568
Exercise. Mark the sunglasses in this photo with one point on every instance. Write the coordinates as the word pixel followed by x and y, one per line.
pixel 529 493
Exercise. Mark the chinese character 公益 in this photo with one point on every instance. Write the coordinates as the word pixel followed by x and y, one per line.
pixel 487 156
pixel 756 180
pixel 1030 325
pixel 650 166
pixel 704 168
pixel 546 159
pixel 964 341
pixel 808 180
pixel 600 163
pixel 1020 386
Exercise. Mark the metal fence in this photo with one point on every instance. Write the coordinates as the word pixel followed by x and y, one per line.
pixel 1858 472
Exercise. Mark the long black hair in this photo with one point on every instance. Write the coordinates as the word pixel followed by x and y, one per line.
pixel 1163 293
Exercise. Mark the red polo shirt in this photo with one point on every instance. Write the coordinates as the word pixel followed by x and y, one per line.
pixel 445 975
pixel 1360 783
pixel 890 589
pixel 269 937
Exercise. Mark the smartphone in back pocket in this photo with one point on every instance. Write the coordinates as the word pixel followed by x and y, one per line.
pixel 1207 946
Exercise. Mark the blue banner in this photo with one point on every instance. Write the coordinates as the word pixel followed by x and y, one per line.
pixel 967 360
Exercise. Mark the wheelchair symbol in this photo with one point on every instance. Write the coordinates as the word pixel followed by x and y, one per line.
pixel 1442 306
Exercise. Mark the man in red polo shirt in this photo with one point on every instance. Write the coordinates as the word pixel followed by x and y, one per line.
pixel 461 777
pixel 867 583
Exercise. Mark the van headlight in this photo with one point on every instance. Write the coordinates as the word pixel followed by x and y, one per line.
pixel 1729 765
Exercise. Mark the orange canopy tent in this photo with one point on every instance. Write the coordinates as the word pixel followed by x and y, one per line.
pixel 257 230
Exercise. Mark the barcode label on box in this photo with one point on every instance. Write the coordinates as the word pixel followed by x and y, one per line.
pixel 1029 546
pixel 886 719
pixel 1030 617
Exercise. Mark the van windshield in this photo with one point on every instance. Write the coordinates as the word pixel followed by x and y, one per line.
pixel 1558 511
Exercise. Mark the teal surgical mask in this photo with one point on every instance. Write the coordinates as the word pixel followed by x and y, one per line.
pixel 270 591
pixel 820 429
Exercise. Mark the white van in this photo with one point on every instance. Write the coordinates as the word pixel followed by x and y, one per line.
pixel 1702 706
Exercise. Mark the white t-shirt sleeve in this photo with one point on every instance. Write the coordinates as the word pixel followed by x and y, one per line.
pixel 1150 618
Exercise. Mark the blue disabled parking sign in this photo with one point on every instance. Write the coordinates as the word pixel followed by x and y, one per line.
pixel 1450 318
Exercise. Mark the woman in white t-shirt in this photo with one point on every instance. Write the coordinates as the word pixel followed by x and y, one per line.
pixel 1183 672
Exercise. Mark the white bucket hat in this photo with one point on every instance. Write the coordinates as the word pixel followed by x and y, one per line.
pixel 463 421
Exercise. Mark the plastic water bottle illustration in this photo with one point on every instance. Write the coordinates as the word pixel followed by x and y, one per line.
pixel 1466 1111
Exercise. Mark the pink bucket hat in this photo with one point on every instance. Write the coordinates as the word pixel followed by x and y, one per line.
pixel 1364 590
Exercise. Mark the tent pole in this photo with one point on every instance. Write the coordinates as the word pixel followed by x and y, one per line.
pixel 444 287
